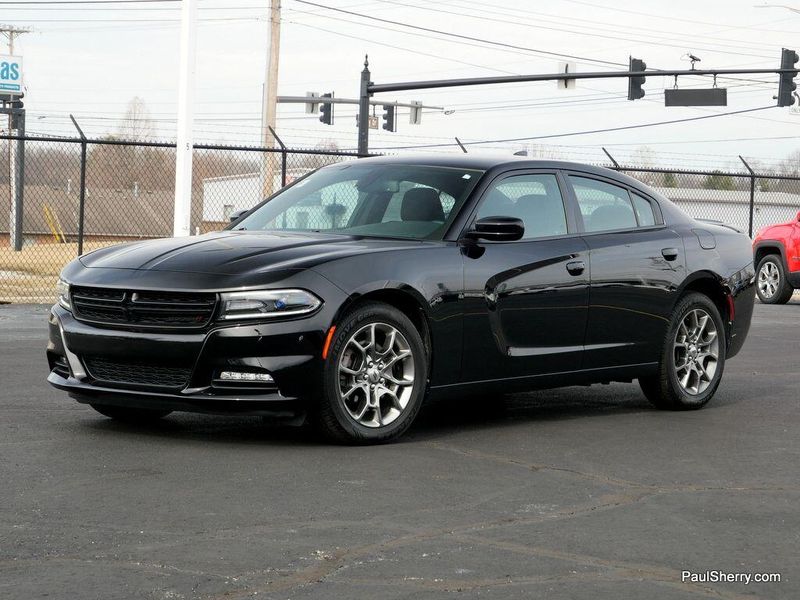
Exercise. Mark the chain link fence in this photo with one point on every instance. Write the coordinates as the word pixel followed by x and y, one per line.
pixel 746 201
pixel 78 195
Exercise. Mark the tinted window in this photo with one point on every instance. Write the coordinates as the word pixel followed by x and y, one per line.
pixel 644 211
pixel 359 198
pixel 604 206
pixel 536 199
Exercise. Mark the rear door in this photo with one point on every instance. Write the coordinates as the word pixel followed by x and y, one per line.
pixel 525 302
pixel 637 265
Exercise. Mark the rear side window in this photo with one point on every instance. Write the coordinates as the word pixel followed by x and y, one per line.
pixel 644 211
pixel 604 206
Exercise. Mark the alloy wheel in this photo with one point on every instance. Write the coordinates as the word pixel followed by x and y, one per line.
pixel 696 351
pixel 769 278
pixel 376 375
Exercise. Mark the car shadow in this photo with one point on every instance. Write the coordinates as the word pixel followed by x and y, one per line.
pixel 435 419
pixel 475 412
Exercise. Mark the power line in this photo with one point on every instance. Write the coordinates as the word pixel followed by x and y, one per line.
pixel 540 26
pixel 57 2
pixel 459 36
pixel 455 60
pixel 591 131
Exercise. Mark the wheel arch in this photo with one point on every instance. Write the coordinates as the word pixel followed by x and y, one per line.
pixel 401 296
pixel 713 287
pixel 766 247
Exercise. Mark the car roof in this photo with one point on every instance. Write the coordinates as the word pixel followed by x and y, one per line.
pixel 485 162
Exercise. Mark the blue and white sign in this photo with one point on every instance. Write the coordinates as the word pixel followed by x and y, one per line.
pixel 10 75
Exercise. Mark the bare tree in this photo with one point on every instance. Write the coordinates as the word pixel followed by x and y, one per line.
pixel 315 161
pixel 137 123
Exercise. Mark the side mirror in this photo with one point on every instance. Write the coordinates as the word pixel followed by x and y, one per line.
pixel 235 216
pixel 497 229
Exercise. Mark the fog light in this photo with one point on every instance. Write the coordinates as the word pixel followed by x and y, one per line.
pixel 237 376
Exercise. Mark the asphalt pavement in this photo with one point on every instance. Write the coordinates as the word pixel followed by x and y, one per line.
pixel 570 493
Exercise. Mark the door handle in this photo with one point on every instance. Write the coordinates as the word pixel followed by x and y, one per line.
pixel 669 253
pixel 576 267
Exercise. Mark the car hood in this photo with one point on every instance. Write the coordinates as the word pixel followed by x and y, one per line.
pixel 238 252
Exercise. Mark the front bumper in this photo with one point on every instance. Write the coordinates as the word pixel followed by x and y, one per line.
pixel 289 351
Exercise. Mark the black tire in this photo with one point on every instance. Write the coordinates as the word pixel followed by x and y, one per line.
pixel 332 416
pixel 128 414
pixel 664 390
pixel 783 289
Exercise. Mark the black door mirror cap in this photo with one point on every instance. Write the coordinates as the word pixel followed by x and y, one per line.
pixel 236 215
pixel 497 229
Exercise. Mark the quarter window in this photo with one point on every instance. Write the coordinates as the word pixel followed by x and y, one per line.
pixel 604 206
pixel 536 199
pixel 644 211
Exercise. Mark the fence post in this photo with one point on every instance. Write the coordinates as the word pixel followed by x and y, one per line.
pixel 752 195
pixel 81 187
pixel 283 155
pixel 19 178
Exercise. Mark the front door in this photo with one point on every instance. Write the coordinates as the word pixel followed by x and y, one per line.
pixel 525 302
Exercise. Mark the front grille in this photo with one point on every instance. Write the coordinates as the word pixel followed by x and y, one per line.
pixel 137 373
pixel 168 310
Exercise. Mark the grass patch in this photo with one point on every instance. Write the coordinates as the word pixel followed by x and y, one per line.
pixel 29 276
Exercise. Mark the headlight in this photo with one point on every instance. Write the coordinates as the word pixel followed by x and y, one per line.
pixel 267 303
pixel 62 291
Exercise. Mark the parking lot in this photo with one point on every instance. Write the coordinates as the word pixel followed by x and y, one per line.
pixel 571 493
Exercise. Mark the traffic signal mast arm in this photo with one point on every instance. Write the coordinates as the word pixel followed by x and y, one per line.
pixel 442 83
pixel 636 75
pixel 329 100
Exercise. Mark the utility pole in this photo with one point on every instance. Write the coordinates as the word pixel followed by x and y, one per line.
pixel 14 159
pixel 269 98
pixel 185 143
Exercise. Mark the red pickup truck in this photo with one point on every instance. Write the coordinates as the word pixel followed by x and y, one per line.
pixel 776 253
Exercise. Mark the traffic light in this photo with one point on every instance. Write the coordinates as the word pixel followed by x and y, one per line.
pixel 389 123
pixel 786 84
pixel 635 82
pixel 326 110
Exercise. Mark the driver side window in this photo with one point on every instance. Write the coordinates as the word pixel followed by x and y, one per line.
pixel 534 198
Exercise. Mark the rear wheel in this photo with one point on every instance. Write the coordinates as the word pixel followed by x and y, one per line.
pixel 692 358
pixel 130 415
pixel 375 376
pixel 772 285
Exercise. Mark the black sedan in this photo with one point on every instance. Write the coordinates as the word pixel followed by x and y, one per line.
pixel 365 287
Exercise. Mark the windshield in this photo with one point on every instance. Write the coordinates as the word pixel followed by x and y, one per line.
pixel 394 200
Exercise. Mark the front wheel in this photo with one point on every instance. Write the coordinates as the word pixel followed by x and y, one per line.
pixel 128 414
pixel 692 358
pixel 375 376
pixel 772 286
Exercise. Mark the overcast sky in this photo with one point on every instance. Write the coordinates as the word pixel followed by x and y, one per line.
pixel 91 60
